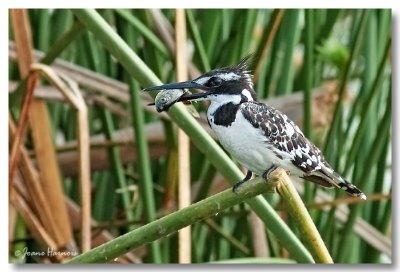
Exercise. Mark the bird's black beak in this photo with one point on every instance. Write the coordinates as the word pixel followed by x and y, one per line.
pixel 182 85
pixel 177 85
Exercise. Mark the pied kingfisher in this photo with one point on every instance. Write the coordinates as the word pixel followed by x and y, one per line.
pixel 260 137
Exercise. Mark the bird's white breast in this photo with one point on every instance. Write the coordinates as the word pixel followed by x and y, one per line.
pixel 246 143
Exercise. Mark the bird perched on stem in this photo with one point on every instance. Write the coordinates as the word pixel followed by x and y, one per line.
pixel 259 136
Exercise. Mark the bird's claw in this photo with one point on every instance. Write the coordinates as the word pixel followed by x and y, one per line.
pixel 267 173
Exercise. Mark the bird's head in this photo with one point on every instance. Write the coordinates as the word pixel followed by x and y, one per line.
pixel 228 84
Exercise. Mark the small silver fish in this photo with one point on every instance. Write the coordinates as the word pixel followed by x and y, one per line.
pixel 166 98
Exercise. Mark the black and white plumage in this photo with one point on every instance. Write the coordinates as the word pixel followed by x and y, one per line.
pixel 260 137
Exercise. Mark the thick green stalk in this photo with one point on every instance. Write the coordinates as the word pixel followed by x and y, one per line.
pixel 173 222
pixel 302 218
pixel 135 66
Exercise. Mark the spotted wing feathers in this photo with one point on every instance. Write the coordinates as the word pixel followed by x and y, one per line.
pixel 283 135
pixel 289 142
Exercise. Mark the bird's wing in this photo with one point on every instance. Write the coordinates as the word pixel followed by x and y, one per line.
pixel 290 143
pixel 283 134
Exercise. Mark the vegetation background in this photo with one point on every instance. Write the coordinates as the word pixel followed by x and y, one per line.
pixel 96 161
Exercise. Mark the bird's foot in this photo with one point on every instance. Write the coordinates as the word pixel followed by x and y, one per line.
pixel 271 183
pixel 239 183
pixel 267 173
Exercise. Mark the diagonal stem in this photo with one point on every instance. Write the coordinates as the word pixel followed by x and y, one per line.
pixel 303 220
pixel 173 222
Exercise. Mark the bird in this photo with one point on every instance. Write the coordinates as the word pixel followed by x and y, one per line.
pixel 258 136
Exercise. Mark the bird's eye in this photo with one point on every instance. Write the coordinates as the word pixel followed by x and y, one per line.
pixel 214 82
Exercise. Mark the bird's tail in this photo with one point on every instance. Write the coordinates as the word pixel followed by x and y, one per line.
pixel 329 178
pixel 348 187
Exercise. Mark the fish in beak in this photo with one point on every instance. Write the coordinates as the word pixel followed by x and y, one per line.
pixel 186 96
pixel 166 98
